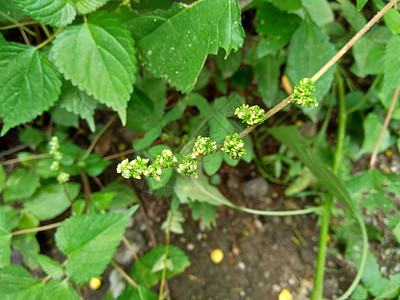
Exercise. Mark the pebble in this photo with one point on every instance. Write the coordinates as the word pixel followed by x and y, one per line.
pixel 190 246
pixel 257 187
pixel 276 289
pixel 117 283
pixel 241 265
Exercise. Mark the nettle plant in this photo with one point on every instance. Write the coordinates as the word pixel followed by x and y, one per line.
pixel 120 55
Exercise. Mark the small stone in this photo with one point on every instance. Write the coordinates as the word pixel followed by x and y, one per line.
pixel 241 265
pixel 190 246
pixel 117 283
pixel 276 289
pixel 257 187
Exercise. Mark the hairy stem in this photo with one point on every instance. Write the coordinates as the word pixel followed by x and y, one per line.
pixel 384 127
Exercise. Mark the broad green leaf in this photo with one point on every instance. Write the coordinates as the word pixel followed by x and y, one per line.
pixel 21 184
pixel 375 61
pixel 55 13
pixel 148 138
pixel 3 177
pixel 95 165
pixel 319 11
pixel 391 17
pixel 9 8
pixel 11 216
pixel 266 70
pixel 149 5
pixel 98 57
pixel 31 136
pixel 29 84
pixel 316 51
pixel 360 293
pixel 352 16
pixel 143 293
pixel 228 65
pixel 5 240
pixel 87 6
pixel 51 200
pixel 192 189
pixel 360 52
pixel 124 197
pixel 60 289
pixel 361 3
pixel 17 284
pixel 50 266
pixel 392 63
pixel 210 24
pixel 212 163
pixel 103 200
pixel 372 129
pixel 90 250
pixel 29 246
pixel 63 117
pixel 179 261
pixel 277 25
pixel 287 4
pixel 79 102
pixel 28 220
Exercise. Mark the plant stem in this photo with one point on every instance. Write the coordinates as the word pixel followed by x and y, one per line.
pixel 19 25
pixel 131 250
pixel 384 127
pixel 49 39
pixel 365 97
pixel 123 273
pixel 99 134
pixel 36 229
pixel 26 158
pixel 86 187
pixel 352 41
pixel 6 27
pixel 45 30
pixel 164 272
pixel 327 206
pixel 69 199
pixel 119 154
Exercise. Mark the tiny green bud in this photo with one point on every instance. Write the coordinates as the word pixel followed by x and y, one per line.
pixel 302 94
pixel 233 146
pixel 63 177
pixel 188 166
pixel 204 146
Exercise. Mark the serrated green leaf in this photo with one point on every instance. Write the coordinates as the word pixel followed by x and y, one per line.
pixel 60 289
pixel 11 216
pixel 103 200
pixel 79 102
pixel 90 250
pixel 8 7
pixel 51 200
pixel 50 266
pixel 5 240
pixel 98 57
pixel 21 184
pixel 205 212
pixel 29 84
pixel 31 136
pixel 278 26
pixel 124 197
pixel 372 129
pixel 143 293
pixel 319 11
pixel 191 189
pixel 87 6
pixel 17 284
pixel 210 24
pixel 317 50
pixel 63 117
pixel 55 13
pixel 392 63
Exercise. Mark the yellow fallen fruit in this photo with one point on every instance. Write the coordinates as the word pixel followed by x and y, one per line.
pixel 217 256
pixel 94 283
pixel 285 295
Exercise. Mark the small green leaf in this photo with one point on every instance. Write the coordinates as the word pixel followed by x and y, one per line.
pixel 176 223
pixel 11 216
pixel 16 284
pixel 179 59
pixel 90 250
pixel 31 136
pixel 212 163
pixel 278 26
pixel 95 165
pixel 29 84
pixel 392 63
pixel 372 128
pixel 98 57
pixel 28 220
pixel 361 3
pixel 55 13
pixel 360 293
pixel 103 200
pixel 205 212
pixel 143 293
pixel 79 102
pixel 28 245
pixel 266 70
pixel 60 289
pixel 301 64
pixel 148 139
pixel 352 15
pixel 319 11
pixel 5 240
pixel 21 184
pixel 375 61
pixel 124 197
pixel 63 117
pixel 50 266
pixel 228 65
pixel 51 200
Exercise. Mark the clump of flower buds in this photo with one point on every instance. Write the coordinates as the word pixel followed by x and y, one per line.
pixel 204 146
pixel 233 146
pixel 250 114
pixel 302 94
pixel 188 166
pixel 54 144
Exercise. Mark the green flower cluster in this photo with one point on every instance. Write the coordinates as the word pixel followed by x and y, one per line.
pixel 233 146
pixel 138 166
pixel 54 144
pixel 302 94
pixel 204 146
pixel 250 114
pixel 188 166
